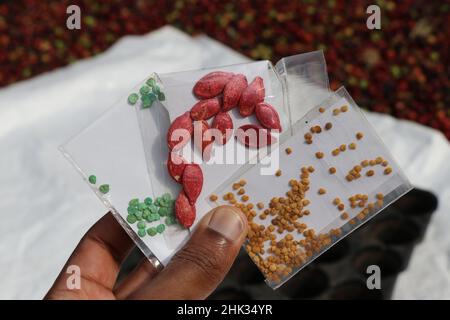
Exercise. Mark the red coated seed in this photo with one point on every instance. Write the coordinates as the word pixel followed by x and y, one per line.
pixel 175 166
pixel 184 211
pixel 192 181
pixel 233 91
pixel 180 131
pixel 253 94
pixel 203 138
pixel 205 109
pixel 211 84
pixel 223 122
pixel 254 136
pixel 267 116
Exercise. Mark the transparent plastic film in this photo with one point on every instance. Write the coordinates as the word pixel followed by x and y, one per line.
pixel 305 80
pixel 332 175
pixel 110 156
pixel 188 169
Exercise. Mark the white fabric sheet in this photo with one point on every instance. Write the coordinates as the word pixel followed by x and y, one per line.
pixel 46 208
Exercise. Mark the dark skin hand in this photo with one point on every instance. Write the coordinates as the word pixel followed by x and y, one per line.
pixel 193 273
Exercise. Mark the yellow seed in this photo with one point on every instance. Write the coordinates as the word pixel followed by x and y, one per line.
pixel 308 136
pixel 319 155
pixel 335 152
pixel 344 108
pixel 370 173
pixel 242 183
pixel 364 163
pixel 311 169
pixel 342 147
pixel 385 163
pixel 341 207
pixel 278 173
pixel 241 191
pixel 336 112
pixel 321 110
pixel 336 201
pixel 328 126
pixel 344 216
pixel 352 146
pixel 361 216
pixel 379 196
pixel 372 162
pixel 288 150
pixel 213 197
pixel 379 160
pixel 322 191
pixel 349 177
pixel 236 186
pixel 359 135
pixel 388 170
pixel 245 198
pixel 260 205
pixel 332 170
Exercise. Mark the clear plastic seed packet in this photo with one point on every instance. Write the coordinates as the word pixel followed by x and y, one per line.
pixel 331 175
pixel 155 157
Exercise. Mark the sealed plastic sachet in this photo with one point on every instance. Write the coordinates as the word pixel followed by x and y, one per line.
pixel 332 175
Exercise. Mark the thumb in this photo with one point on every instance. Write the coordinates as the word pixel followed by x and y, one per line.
pixel 200 266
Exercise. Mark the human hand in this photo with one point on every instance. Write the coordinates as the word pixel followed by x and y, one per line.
pixel 193 273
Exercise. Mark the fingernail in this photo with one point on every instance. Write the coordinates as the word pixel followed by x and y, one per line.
pixel 228 222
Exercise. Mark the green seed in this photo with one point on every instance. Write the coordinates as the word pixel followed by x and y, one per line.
pixel 104 188
pixel 132 98
pixel 138 215
pixel 142 206
pixel 152 97
pixel 158 201
pixel 156 89
pixel 148 201
pixel 141 224
pixel 131 218
pixel 132 210
pixel 151 82
pixel 141 233
pixel 152 231
pixel 92 179
pixel 134 202
pixel 155 217
pixel 160 228
pixel 167 196
pixel 144 90
pixel 163 211
pixel 161 96
pixel 146 103
pixel 152 208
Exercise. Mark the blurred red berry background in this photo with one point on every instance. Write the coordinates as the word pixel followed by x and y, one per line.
pixel 402 69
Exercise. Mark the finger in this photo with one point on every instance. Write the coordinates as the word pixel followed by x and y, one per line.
pixel 199 267
pixel 98 257
pixel 142 274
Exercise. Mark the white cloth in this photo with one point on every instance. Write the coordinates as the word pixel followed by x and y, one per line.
pixel 46 208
